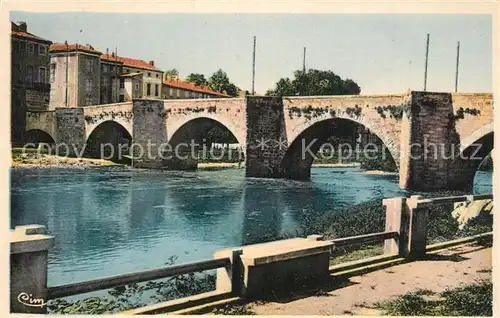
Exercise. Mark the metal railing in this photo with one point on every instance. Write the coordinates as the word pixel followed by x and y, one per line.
pixel 139 277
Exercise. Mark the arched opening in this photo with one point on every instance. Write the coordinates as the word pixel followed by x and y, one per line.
pixel 109 140
pixel 476 166
pixel 336 140
pixel 37 136
pixel 202 140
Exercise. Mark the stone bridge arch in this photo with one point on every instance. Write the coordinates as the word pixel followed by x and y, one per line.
pixel 228 112
pixel 35 136
pixel 473 151
pixel 108 140
pixel 176 127
pixel 40 125
pixel 297 162
pixel 121 113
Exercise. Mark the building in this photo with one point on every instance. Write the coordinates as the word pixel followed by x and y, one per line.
pixel 30 86
pixel 173 89
pixel 84 76
pixel 140 79
pixel 74 75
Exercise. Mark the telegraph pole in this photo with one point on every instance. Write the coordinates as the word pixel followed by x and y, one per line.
pixel 253 65
pixel 67 61
pixel 456 71
pixel 304 61
pixel 426 62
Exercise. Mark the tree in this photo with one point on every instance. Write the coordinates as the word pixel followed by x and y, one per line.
pixel 219 82
pixel 314 83
pixel 197 79
pixel 172 74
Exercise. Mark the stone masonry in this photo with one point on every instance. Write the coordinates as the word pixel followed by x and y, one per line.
pixel 271 130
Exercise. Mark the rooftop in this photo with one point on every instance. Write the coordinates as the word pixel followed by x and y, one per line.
pixel 63 47
pixel 21 31
pixel 192 87
pixel 127 61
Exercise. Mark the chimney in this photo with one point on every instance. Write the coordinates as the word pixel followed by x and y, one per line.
pixel 152 63
pixel 112 54
pixel 23 27
pixel 107 52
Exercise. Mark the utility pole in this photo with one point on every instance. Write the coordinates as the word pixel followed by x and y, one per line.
pixel 253 65
pixel 456 72
pixel 67 60
pixel 304 61
pixel 426 62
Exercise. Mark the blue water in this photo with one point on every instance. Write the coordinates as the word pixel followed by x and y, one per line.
pixel 114 222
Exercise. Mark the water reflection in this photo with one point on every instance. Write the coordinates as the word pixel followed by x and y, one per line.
pixel 108 223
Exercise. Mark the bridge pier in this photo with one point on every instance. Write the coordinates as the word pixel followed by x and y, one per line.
pixel 266 137
pixel 149 138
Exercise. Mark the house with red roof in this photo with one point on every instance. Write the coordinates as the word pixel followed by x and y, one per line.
pixel 83 76
pixel 30 88
pixel 178 89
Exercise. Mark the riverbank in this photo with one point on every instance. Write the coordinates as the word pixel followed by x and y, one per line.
pixel 34 160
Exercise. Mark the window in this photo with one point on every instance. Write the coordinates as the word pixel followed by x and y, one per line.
pixel 105 68
pixel 22 47
pixel 121 99
pixel 105 81
pixel 149 74
pixel 126 70
pixel 89 66
pixel 156 90
pixel 35 48
pixel 88 100
pixel 111 68
pixel 29 75
pixel 178 93
pixel 52 72
pixel 42 75
pixel 136 86
pixel 157 75
pixel 88 85
pixel 148 89
pixel 29 48
pixel 42 50
pixel 122 83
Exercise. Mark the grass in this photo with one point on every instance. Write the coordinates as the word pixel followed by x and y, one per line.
pixel 470 300
pixel 363 252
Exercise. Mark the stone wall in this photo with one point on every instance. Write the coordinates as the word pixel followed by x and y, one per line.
pixel 44 121
pixel 266 137
pixel 37 99
pixel 148 132
pixel 71 135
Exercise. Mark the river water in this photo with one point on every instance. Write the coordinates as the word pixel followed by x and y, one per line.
pixel 114 222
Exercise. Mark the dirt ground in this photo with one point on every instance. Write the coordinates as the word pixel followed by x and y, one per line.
pixel 447 269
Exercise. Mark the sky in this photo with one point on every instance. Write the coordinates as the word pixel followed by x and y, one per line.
pixel 383 53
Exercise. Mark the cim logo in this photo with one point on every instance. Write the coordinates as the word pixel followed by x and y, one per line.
pixel 30 301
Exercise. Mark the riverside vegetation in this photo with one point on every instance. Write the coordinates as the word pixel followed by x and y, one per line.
pixel 364 218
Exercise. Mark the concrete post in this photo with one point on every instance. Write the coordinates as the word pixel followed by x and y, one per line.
pixel 236 273
pixel 396 219
pixel 417 235
pixel 29 247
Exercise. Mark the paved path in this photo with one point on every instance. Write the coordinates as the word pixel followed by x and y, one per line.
pixel 450 268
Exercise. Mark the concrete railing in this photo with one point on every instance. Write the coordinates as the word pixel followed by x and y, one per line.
pixel 245 272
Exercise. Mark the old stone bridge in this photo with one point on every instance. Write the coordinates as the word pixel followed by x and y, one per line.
pixel 405 123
